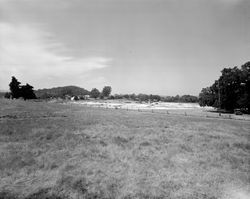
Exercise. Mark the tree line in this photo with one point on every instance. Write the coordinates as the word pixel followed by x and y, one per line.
pixel 61 92
pixel 231 91
pixel 26 92
pixel 73 91
pixel 156 98
pixel 95 93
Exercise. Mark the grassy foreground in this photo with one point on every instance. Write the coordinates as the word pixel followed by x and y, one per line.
pixel 50 150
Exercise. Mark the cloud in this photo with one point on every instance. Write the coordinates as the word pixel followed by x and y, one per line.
pixel 33 55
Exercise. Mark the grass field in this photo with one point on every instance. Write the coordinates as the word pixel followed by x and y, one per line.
pixel 50 150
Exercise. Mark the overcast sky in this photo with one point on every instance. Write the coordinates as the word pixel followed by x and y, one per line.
pixel 164 47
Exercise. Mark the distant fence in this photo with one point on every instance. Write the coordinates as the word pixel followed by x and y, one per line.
pixel 178 112
pixel 187 114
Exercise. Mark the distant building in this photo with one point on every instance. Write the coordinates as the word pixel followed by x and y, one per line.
pixel 86 97
pixel 75 98
pixel 67 97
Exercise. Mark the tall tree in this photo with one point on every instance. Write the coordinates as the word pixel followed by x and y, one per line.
pixel 15 88
pixel 106 91
pixel 95 93
pixel 230 88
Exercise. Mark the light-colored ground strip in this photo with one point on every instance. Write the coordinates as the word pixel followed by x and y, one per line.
pixel 133 105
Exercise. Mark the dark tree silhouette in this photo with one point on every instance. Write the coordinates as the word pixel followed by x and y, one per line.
pixel 15 88
pixel 27 92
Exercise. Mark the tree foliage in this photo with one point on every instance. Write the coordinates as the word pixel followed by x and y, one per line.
pixel 95 93
pixel 230 91
pixel 207 97
pixel 156 98
pixel 17 90
pixel 61 92
pixel 106 91
pixel 188 99
pixel 27 92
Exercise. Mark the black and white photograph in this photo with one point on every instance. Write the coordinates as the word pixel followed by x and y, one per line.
pixel 124 99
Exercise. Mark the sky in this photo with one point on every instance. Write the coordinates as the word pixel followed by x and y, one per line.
pixel 164 47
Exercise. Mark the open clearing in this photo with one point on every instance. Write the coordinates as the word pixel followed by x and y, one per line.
pixel 50 150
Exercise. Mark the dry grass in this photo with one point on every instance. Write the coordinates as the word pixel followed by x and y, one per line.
pixel 49 150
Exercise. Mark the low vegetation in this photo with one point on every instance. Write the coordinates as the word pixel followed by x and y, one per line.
pixel 51 150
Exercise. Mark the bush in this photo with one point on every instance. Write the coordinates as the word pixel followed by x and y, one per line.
pixel 7 95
